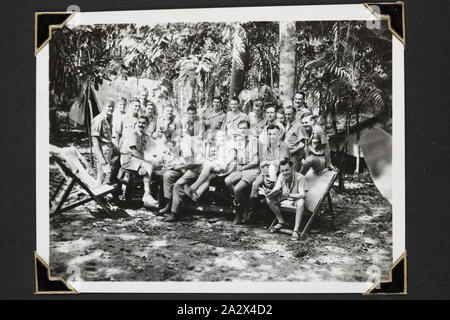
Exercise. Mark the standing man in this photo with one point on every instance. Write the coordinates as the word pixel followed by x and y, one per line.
pixel 240 181
pixel 233 118
pixel 317 151
pixel 256 117
pixel 132 157
pixel 103 147
pixel 300 104
pixel 271 119
pixel 291 187
pixel 167 125
pixel 193 126
pixel 150 113
pixel 119 113
pixel 128 122
pixel 214 118
pixel 295 137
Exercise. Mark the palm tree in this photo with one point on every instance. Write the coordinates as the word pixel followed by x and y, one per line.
pixel 288 45
pixel 240 60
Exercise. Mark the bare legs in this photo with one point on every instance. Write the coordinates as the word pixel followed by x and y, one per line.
pixel 146 170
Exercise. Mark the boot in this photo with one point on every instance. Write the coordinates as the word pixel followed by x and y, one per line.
pixel 165 210
pixel 238 211
pixel 252 212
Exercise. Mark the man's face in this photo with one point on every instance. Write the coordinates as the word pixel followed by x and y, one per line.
pixel 257 107
pixel 307 123
pixel 274 136
pixel 192 115
pixel 141 125
pixel 109 109
pixel 286 171
pixel 211 138
pixel 234 105
pixel 216 104
pixel 299 99
pixel 122 106
pixel 243 129
pixel 143 96
pixel 270 114
pixel 169 112
pixel 289 112
pixel 281 118
pixel 150 109
pixel 136 107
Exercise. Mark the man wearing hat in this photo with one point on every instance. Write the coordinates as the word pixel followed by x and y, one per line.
pixel 317 151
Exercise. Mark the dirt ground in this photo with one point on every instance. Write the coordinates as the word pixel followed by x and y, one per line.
pixel 206 247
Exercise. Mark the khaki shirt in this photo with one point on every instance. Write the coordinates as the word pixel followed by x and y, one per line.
pixel 102 128
pixel 295 133
pixel 296 186
pixel 318 148
pixel 232 121
pixel 256 125
pixel 214 120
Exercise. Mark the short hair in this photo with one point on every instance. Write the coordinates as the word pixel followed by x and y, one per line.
pixel 149 102
pixel 123 99
pixel 217 98
pixel 208 132
pixel 135 100
pixel 300 92
pixel 271 106
pixel 143 117
pixel 306 114
pixel 285 162
pixel 168 106
pixel 244 121
pixel 258 99
pixel 235 99
pixel 192 108
pixel 280 110
pixel 273 126
pixel 110 103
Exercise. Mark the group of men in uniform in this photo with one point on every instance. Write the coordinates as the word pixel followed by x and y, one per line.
pixel 265 153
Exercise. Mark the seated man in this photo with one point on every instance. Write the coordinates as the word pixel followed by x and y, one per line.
pixel 103 147
pixel 295 137
pixel 288 191
pixel 233 118
pixel 317 151
pixel 239 182
pixel 217 161
pixel 271 153
pixel 132 158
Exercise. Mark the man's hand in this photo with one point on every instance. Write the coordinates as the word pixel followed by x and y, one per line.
pixel 331 167
pixel 286 195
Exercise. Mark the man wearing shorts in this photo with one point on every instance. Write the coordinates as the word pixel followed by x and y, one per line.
pixel 291 189
pixel 132 158
pixel 103 147
pixel 271 153
pixel 317 151
pixel 295 137
pixel 247 160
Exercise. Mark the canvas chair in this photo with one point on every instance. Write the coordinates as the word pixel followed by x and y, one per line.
pixel 319 187
pixel 73 167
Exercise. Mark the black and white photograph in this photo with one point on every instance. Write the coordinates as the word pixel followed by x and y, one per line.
pixel 221 150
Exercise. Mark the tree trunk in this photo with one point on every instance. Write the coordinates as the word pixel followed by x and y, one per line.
pixel 288 41
pixel 240 61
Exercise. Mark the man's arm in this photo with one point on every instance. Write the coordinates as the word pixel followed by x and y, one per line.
pixel 98 150
pixel 328 163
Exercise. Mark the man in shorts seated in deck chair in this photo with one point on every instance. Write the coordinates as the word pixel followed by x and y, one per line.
pixel 132 157
pixel 217 160
pixel 289 191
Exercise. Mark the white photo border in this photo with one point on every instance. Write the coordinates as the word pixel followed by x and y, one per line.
pixel 284 13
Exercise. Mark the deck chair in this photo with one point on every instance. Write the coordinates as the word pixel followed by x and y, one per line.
pixel 72 166
pixel 319 187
